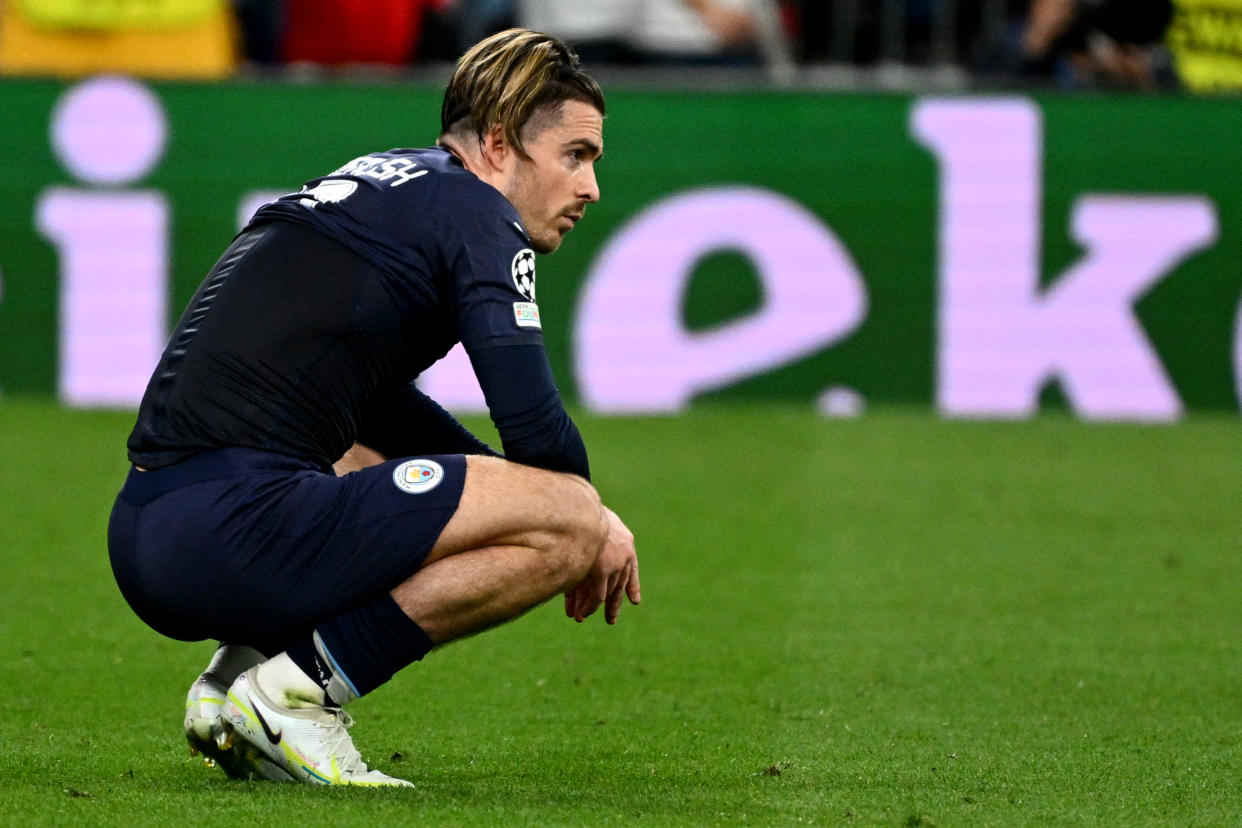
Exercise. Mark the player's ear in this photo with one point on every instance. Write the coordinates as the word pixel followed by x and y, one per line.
pixel 495 148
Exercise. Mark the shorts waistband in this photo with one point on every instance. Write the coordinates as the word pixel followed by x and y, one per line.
pixel 141 487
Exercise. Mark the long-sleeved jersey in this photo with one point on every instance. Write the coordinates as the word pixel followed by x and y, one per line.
pixel 308 333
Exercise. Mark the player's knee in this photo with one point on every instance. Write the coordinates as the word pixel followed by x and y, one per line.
pixel 583 529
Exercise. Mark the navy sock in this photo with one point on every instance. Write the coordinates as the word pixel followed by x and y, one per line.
pixel 360 649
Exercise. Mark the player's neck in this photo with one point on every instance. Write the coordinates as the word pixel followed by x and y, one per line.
pixel 474 161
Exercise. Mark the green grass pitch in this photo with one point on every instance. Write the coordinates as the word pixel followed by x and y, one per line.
pixel 893 620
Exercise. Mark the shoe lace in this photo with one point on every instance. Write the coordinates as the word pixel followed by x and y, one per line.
pixel 340 745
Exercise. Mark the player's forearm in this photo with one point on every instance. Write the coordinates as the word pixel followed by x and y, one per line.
pixel 545 437
pixel 526 407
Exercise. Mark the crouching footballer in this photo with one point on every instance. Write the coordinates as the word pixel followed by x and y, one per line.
pixel 293 494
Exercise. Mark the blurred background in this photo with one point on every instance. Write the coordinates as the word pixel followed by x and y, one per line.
pixel 983 207
pixel 833 237
pixel 1146 44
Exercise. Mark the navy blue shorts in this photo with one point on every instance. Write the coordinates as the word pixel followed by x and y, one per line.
pixel 256 548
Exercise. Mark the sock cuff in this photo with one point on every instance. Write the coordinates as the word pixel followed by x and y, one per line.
pixel 339 688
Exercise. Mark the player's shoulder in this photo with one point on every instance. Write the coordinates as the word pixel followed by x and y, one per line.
pixel 446 194
pixel 394 168
pixel 462 190
pixel 443 180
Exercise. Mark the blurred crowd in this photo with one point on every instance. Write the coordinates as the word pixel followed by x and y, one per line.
pixel 1065 43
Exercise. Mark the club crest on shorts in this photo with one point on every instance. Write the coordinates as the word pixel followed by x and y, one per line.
pixel 524 273
pixel 418 476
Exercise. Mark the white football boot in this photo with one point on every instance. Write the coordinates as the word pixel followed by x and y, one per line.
pixel 311 744
pixel 204 729
pixel 202 713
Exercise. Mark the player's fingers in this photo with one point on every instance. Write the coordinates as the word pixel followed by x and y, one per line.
pixel 574 603
pixel 586 605
pixel 615 599
pixel 615 580
pixel 584 599
pixel 632 589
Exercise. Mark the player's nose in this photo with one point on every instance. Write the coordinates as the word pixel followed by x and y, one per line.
pixel 588 189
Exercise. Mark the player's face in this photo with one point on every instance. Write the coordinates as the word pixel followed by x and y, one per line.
pixel 552 189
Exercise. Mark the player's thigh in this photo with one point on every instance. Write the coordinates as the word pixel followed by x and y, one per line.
pixel 509 504
pixel 270 550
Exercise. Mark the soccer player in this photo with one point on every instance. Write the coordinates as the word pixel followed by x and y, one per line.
pixel 299 350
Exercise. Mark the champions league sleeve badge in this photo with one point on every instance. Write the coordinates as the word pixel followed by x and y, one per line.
pixel 525 314
pixel 523 269
pixel 417 476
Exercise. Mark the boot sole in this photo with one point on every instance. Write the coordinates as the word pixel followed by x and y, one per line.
pixel 236 757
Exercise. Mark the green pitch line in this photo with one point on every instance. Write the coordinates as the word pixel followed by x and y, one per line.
pixel 893 620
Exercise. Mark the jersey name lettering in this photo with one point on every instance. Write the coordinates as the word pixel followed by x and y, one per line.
pixel 398 170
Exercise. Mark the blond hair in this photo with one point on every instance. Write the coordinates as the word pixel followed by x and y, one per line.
pixel 510 77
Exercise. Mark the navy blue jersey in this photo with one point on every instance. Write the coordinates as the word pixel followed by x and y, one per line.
pixel 447 238
pixel 309 330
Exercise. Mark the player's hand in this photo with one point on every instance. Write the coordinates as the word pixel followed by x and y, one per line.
pixel 612 579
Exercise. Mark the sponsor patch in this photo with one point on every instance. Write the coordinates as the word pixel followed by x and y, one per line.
pixel 526 314
pixel 418 476
pixel 523 268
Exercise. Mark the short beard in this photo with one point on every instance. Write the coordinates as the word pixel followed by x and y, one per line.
pixel 541 246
